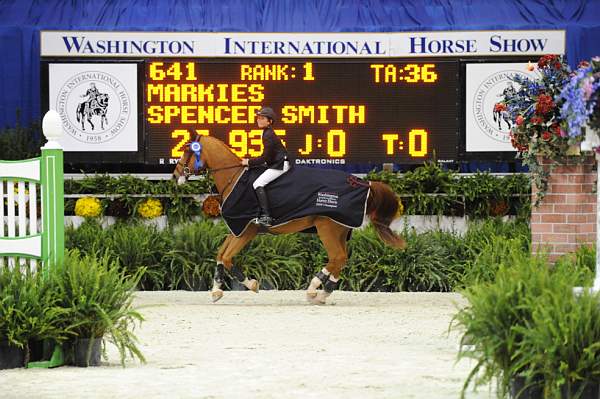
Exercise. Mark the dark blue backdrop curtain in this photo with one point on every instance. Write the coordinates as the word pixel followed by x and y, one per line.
pixel 21 21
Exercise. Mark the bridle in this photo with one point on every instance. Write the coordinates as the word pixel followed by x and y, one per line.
pixel 187 172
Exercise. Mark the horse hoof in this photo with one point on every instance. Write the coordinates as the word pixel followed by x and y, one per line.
pixel 310 296
pixel 315 301
pixel 252 285
pixel 216 295
pixel 321 297
pixel 317 298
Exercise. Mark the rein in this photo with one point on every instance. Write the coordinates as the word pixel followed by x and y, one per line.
pixel 187 172
pixel 230 179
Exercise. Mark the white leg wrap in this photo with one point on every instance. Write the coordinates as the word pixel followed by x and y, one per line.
pixel 314 284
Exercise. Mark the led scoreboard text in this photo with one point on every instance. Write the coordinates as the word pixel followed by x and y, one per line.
pixel 329 112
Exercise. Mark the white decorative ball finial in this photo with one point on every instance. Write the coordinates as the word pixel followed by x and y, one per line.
pixel 52 128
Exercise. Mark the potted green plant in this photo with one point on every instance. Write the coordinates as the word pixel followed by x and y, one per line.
pixel 98 296
pixel 528 332
pixel 29 312
pixel 493 324
pixel 563 339
pixel 13 334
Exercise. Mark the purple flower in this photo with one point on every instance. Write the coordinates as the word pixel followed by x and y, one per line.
pixel 588 87
pixel 578 99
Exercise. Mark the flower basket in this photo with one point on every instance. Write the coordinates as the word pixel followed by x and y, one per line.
pixel 89 207
pixel 540 130
pixel 211 207
pixel 150 208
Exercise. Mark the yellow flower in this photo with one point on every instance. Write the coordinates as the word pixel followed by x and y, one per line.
pixel 400 210
pixel 88 207
pixel 150 208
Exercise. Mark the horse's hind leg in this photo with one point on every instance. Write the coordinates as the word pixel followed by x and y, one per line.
pixel 333 236
pixel 231 247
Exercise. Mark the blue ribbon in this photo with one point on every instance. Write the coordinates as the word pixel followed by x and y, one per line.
pixel 196 147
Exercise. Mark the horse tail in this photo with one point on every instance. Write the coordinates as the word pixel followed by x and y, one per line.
pixel 494 116
pixel 382 206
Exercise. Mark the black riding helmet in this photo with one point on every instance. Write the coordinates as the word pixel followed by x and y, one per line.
pixel 268 112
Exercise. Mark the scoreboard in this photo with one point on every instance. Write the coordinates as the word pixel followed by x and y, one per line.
pixel 130 101
pixel 371 111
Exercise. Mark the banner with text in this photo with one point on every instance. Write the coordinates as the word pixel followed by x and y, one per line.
pixel 401 44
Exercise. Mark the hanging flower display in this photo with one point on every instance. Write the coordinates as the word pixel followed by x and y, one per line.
pixel 89 207
pixel 150 208
pixel 211 207
pixel 536 113
pixel 539 129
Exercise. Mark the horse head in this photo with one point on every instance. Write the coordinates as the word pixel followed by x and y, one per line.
pixel 192 161
pixel 102 100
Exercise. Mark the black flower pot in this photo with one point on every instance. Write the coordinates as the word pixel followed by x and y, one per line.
pixel 591 390
pixel 87 352
pixel 10 356
pixel 521 389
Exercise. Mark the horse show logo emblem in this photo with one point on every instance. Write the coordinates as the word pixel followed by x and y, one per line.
pixel 491 117
pixel 94 106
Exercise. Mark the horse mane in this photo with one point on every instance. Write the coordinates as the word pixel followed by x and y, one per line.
pixel 220 143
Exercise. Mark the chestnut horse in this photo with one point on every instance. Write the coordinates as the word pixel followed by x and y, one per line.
pixel 218 159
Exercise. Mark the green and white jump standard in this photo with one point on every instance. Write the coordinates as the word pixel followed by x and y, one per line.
pixel 22 241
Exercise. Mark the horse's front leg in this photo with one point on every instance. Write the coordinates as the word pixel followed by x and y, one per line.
pixel 317 281
pixel 231 247
pixel 219 277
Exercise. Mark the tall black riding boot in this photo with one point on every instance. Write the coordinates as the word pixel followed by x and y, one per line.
pixel 265 218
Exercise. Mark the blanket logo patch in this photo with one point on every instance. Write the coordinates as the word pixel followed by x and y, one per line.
pixel 329 200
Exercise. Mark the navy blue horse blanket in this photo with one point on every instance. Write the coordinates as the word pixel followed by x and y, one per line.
pixel 302 191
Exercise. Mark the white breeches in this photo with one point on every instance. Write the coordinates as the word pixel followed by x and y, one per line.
pixel 269 175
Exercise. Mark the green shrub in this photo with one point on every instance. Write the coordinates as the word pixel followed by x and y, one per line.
pixel 490 322
pixel 189 263
pixel 523 323
pixel 98 295
pixel 562 343
pixel 88 238
pixel 432 190
pixel 275 261
pixel 125 193
pixel 135 246
pixel 29 308
pixel 183 256
pixel 425 265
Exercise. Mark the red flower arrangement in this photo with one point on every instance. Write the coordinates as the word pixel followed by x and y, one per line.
pixel 536 114
pixel 211 207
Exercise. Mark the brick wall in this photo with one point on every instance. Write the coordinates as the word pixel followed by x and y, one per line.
pixel 566 218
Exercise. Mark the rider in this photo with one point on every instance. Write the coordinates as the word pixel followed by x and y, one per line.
pixel 274 157
pixel 92 92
